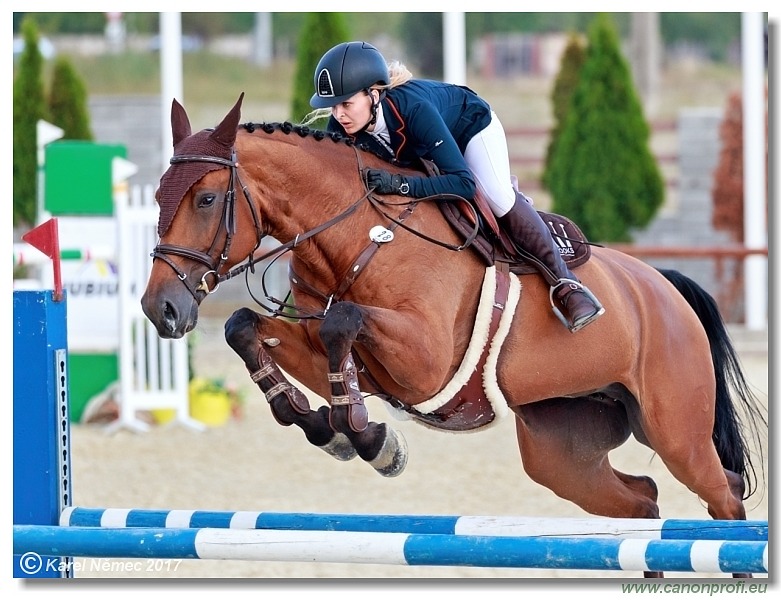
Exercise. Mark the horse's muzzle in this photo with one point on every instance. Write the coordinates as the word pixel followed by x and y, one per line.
pixel 173 316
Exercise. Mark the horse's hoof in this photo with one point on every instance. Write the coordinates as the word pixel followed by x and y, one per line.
pixel 340 447
pixel 392 457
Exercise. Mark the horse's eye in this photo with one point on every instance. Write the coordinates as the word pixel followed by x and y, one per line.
pixel 206 200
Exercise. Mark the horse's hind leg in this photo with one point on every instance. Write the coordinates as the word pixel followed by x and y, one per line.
pixel 681 434
pixel 243 332
pixel 376 443
pixel 685 445
pixel 684 442
pixel 564 446
pixel 639 483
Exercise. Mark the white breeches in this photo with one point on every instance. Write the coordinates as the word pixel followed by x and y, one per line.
pixel 489 160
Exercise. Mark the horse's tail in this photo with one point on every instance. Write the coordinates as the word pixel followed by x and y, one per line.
pixel 728 431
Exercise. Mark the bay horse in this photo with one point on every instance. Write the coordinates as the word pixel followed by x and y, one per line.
pixel 377 308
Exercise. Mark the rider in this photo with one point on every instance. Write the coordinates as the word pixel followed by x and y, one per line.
pixel 450 125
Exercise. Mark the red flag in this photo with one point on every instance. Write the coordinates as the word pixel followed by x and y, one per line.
pixel 46 238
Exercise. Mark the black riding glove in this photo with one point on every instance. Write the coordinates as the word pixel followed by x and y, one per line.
pixel 385 183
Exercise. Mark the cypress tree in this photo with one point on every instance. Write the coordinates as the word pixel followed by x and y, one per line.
pixel 566 81
pixel 68 101
pixel 603 174
pixel 320 33
pixel 29 108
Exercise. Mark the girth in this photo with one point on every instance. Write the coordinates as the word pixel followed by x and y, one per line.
pixel 470 408
pixel 472 400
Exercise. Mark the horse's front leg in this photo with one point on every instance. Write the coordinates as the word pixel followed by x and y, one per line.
pixel 376 443
pixel 247 333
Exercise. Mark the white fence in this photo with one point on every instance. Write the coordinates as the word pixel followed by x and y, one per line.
pixel 153 372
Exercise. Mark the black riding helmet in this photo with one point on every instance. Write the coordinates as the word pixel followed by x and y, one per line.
pixel 345 70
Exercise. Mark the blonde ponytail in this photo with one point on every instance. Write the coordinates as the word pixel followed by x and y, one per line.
pixel 318 113
pixel 398 74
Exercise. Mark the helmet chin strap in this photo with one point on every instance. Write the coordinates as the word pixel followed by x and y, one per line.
pixel 373 109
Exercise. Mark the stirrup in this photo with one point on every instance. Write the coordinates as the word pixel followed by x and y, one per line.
pixel 571 326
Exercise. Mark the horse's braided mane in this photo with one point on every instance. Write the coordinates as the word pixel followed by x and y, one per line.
pixel 304 131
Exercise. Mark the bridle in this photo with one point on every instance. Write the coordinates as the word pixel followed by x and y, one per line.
pixel 228 221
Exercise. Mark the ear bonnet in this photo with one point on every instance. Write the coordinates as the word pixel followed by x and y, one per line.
pixel 181 176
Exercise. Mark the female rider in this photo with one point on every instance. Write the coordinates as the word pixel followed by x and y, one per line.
pixel 450 125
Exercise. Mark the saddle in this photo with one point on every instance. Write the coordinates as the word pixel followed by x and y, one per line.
pixel 493 244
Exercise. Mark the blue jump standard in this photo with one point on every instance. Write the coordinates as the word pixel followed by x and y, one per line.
pixel 396 548
pixel 665 529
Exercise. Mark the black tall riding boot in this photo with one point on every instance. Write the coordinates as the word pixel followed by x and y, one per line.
pixel 572 302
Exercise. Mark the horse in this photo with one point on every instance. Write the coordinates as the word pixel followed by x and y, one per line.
pixel 388 300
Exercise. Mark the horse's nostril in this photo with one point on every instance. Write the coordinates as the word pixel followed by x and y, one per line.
pixel 169 315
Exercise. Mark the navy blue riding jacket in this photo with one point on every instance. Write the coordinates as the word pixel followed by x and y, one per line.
pixel 431 120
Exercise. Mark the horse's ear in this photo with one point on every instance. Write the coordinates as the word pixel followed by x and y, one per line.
pixel 225 133
pixel 180 123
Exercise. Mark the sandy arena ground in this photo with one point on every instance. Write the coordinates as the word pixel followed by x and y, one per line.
pixel 254 464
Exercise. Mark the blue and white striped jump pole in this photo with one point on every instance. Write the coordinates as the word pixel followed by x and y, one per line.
pixel 665 529
pixel 702 556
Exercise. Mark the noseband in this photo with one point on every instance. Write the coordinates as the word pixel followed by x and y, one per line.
pixel 228 221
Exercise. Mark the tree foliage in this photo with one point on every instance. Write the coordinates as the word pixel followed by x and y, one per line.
pixel 68 101
pixel 29 107
pixel 603 174
pixel 728 177
pixel 728 201
pixel 715 32
pixel 422 36
pixel 320 33
pixel 561 96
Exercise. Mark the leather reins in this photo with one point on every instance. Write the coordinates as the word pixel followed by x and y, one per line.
pixel 228 221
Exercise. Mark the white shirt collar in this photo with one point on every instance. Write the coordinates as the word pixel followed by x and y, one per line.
pixel 380 130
